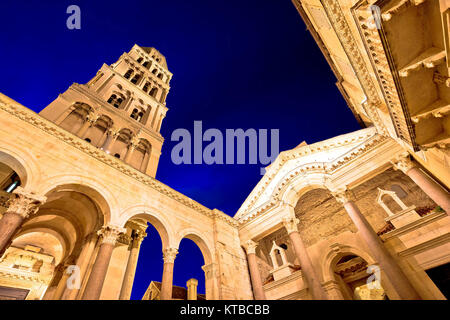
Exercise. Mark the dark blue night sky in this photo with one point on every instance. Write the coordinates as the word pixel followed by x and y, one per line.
pixel 236 64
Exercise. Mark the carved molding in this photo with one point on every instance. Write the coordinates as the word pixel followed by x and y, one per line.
pixel 350 46
pixel 250 246
pixel 381 58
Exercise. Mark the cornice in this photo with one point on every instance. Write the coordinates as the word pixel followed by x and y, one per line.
pixel 21 112
pixel 350 45
pixel 380 56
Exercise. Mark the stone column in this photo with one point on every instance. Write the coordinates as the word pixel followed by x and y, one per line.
pixel 390 267
pixel 312 278
pixel 144 163
pixel 255 276
pixel 90 120
pixel 127 285
pixel 112 136
pixel 21 205
pixel 167 278
pixel 428 185
pixel 97 277
pixel 133 145
pixel 83 263
pixel 191 286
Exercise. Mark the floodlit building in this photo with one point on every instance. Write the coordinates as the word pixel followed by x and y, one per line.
pixel 364 215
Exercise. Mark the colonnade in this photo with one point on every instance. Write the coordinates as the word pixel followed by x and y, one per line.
pixel 387 263
pixel 97 247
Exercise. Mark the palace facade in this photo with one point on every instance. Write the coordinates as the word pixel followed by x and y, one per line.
pixel 364 215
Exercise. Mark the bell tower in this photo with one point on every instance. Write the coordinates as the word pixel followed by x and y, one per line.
pixel 121 109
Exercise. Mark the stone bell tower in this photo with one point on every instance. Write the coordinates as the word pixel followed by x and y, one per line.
pixel 121 109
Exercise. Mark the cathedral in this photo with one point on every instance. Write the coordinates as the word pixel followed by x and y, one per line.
pixel 361 216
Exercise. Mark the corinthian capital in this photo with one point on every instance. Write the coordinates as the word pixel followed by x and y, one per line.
pixel 290 223
pixel 113 132
pixel 110 234
pixel 403 163
pixel 169 255
pixel 134 142
pixel 92 118
pixel 138 237
pixel 250 246
pixel 343 195
pixel 24 203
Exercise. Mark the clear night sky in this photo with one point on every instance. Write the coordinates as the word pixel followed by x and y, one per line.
pixel 236 64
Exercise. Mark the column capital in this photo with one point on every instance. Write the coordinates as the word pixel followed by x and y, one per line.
pixel 110 234
pixel 291 223
pixel 113 132
pixel 250 246
pixel 342 195
pixel 138 236
pixel 169 255
pixel 24 203
pixel 92 118
pixel 134 142
pixel 403 163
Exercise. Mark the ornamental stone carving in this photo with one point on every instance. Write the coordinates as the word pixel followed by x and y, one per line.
pixel 403 163
pixel 24 203
pixel 342 195
pixel 138 237
pixel 250 246
pixel 110 234
pixel 169 255
pixel 291 223
pixel 92 118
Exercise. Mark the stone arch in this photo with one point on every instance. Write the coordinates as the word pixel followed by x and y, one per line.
pixel 88 186
pixel 199 240
pixel 23 163
pixel 155 218
pixel 337 251
pixel 299 181
pixel 65 243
